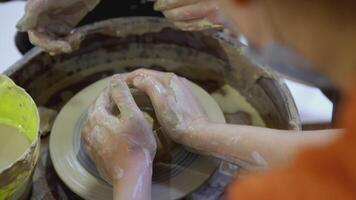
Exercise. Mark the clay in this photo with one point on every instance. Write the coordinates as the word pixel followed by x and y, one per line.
pixel 232 102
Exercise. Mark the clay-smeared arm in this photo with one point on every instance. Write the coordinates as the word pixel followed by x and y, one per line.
pixel 253 147
pixel 183 119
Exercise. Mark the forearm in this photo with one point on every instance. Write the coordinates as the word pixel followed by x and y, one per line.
pixel 135 181
pixel 253 147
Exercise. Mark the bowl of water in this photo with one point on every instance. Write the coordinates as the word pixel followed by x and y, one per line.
pixel 19 140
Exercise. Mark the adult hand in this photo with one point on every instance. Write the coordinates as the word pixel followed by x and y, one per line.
pixel 191 14
pixel 123 147
pixel 50 23
pixel 176 107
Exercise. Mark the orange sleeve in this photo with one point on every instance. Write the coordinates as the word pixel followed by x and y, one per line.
pixel 320 173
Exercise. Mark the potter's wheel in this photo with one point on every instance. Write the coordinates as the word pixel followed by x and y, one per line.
pixel 173 179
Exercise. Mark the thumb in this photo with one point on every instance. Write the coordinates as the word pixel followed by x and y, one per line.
pixel 122 97
pixel 27 22
pixel 154 89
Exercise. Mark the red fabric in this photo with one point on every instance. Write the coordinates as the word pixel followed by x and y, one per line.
pixel 320 173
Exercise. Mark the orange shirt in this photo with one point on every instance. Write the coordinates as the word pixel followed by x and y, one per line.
pixel 316 173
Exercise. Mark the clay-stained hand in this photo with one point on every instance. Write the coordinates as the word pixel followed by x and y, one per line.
pixel 50 22
pixel 121 143
pixel 176 107
pixel 191 15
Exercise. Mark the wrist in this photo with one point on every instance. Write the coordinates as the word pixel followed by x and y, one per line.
pixel 133 165
pixel 135 183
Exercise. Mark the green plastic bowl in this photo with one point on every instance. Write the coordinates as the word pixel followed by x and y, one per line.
pixel 19 110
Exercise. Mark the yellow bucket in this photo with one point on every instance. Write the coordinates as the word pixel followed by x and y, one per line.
pixel 18 110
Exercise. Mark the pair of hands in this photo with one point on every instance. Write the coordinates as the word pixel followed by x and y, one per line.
pixel 116 142
pixel 51 23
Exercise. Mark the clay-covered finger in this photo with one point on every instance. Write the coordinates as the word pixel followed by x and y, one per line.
pixel 33 10
pixel 161 5
pixel 49 43
pixel 103 120
pixel 196 25
pixel 85 132
pixel 193 11
pixel 27 22
pixel 122 96
pixel 103 103
pixel 154 89
pixel 96 136
pixel 163 77
pixel 100 112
